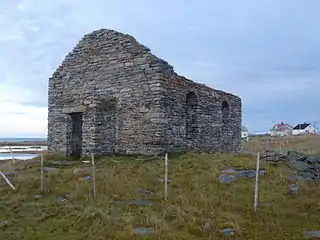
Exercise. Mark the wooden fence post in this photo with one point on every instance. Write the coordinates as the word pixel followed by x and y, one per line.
pixel 166 177
pixel 93 174
pixel 7 180
pixel 41 173
pixel 256 189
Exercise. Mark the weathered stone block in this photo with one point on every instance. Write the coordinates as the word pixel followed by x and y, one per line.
pixel 76 109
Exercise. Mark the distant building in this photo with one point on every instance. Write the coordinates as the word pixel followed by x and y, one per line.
pixel 304 128
pixel 244 133
pixel 281 129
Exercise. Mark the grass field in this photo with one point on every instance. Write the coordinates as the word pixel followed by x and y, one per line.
pixel 309 144
pixel 198 207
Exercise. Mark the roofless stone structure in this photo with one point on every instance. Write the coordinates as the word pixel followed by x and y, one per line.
pixel 112 95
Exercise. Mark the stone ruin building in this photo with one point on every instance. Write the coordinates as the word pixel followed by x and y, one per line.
pixel 112 95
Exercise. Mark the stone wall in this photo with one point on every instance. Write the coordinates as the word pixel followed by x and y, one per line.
pixel 209 130
pixel 133 102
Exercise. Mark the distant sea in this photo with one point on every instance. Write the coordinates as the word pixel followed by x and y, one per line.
pixel 23 139
pixel 17 155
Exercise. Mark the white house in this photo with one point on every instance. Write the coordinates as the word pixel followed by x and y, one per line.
pixel 281 129
pixel 304 128
pixel 244 133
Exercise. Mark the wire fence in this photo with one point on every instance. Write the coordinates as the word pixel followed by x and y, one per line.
pixel 42 180
pixel 255 145
pixel 307 144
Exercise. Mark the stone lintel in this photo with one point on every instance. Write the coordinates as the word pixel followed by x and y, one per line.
pixel 77 109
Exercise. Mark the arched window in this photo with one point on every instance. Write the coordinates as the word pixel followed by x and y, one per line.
pixel 191 115
pixel 225 108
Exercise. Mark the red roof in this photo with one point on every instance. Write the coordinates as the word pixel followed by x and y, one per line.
pixel 281 127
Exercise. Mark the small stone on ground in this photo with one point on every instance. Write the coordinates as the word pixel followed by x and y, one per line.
pixel 87 178
pixel 145 191
pixel 61 199
pixel 293 189
pixel 38 196
pixel 229 171
pixel 4 223
pixel 315 234
pixel 228 231
pixel 143 230
pixel 225 178
pixel 138 202
pixel 62 163
pixel 206 227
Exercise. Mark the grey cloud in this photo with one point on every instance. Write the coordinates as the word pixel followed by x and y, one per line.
pixel 262 50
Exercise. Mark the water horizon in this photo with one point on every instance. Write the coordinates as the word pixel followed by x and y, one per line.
pixel 4 151
pixel 21 139
pixel 17 156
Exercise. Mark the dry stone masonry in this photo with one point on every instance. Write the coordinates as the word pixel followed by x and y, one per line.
pixel 112 95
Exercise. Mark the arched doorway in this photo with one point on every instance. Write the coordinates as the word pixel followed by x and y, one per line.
pixel 191 116
pixel 225 109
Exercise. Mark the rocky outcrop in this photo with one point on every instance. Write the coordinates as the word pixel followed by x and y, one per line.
pixel 306 167
pixel 232 174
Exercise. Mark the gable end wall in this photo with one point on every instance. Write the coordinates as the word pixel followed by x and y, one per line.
pixel 133 102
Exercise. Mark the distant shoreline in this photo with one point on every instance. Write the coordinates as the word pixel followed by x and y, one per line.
pixel 24 143
pixel 26 152
pixel 31 144
pixel 6 161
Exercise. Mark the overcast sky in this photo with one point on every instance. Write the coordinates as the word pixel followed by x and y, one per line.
pixel 265 51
